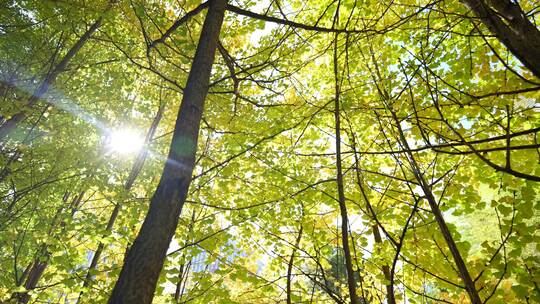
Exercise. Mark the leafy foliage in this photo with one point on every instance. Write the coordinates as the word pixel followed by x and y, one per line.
pixel 418 80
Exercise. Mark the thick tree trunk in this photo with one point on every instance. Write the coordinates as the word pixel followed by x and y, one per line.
pixel 507 21
pixel 9 125
pixel 439 218
pixel 140 272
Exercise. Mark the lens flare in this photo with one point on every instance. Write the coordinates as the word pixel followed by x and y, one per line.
pixel 124 141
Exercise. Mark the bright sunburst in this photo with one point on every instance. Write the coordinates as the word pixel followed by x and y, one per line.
pixel 124 141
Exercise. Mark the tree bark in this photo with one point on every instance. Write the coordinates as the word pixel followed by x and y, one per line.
pixel 36 271
pixel 9 125
pixel 140 272
pixel 508 22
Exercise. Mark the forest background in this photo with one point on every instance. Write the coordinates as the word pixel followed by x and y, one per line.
pixel 347 151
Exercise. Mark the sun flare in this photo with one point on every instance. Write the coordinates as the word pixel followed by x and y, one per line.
pixel 124 141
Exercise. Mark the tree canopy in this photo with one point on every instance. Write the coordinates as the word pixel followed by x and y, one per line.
pixel 278 151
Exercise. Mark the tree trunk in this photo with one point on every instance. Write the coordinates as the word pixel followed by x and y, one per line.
pixel 178 291
pixel 9 125
pixel 390 296
pixel 434 206
pixel 290 266
pixel 37 270
pixel 140 272
pixel 351 282
pixel 41 262
pixel 134 173
pixel 507 21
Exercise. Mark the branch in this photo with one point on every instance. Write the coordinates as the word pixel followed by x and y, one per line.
pixel 316 28
pixel 175 25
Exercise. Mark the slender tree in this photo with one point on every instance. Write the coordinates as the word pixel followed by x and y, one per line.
pixel 351 282
pixel 291 264
pixel 10 124
pixel 37 267
pixel 439 218
pixel 133 174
